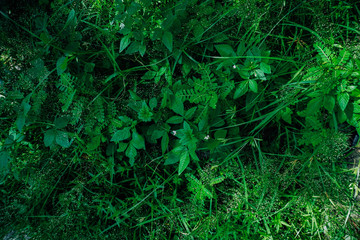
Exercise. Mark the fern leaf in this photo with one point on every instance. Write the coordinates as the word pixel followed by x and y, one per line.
pixel 324 53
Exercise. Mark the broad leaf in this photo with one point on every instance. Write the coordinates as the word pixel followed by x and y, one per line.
pixel 167 40
pixel 253 86
pixel 137 140
pixel 62 139
pixel 241 89
pixel 131 154
pixel 175 120
pixel 225 50
pixel 49 137
pixel 184 161
pixel 329 103
pixel 61 122
pixel 343 100
pixel 265 68
pixel 61 65
pixel 125 42
pixel 164 142
pixel 121 135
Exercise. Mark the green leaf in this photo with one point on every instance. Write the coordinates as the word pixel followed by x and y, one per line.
pixel 153 103
pixel 265 68
pixel 61 65
pixel 225 50
pixel 172 158
pixel 167 40
pixel 4 161
pixel 61 122
pixel 190 113
pixel 49 137
pixel 71 17
pixel 124 43
pixel 94 143
pixel 89 67
pixel 145 113
pixel 220 134
pixel 137 140
pixel 313 106
pixel 149 75
pixel 286 115
pixel 131 154
pixel 175 120
pixel 164 142
pixel 329 103
pixel 343 100
pixel 20 122
pixel 178 106
pixel 62 139
pixel 259 74
pixel 121 135
pixel 184 161
pixel 142 49
pixel 341 115
pixel 241 89
pixel 122 147
pixel 253 86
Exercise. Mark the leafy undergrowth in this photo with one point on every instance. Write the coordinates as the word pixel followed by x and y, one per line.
pixel 179 119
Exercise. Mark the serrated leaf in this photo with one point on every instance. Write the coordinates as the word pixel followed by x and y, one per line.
pixel 286 115
pixel 145 113
pixel 124 43
pixel 313 106
pixel 164 142
pixel 149 75
pixel 89 67
pixel 137 140
pixel 153 103
pixel 4 161
pixel 265 68
pixel 167 40
pixel 61 122
pixel 343 100
pixel 184 161
pixel 122 147
pixel 259 74
pixel 329 103
pixel 121 135
pixel 20 122
pixel 142 49
pixel 190 113
pixel 241 89
pixel 175 120
pixel 172 158
pixel 61 65
pixel 49 137
pixel 178 106
pixel 94 143
pixel 62 139
pixel 220 134
pixel 225 50
pixel 341 116
pixel 253 86
pixel 131 154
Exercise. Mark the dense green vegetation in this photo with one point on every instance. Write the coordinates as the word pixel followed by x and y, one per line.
pixel 179 119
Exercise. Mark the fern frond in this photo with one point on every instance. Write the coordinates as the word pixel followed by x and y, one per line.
pixel 343 57
pixel 324 52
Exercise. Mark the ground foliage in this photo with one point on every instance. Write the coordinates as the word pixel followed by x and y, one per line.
pixel 179 119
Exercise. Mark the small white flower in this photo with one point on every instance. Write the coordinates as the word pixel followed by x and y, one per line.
pixel 173 133
pixel 207 137
pixel 234 66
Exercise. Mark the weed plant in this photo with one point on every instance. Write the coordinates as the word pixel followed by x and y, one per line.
pixel 179 119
